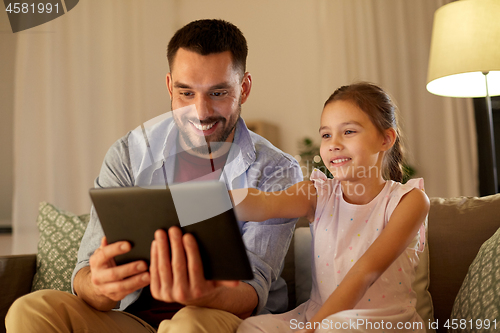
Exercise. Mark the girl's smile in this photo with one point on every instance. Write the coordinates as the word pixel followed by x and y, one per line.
pixel 339 160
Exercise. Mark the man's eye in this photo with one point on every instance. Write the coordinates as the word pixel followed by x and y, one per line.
pixel 219 93
pixel 186 94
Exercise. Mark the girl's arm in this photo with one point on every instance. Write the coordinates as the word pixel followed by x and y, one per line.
pixel 403 225
pixel 254 205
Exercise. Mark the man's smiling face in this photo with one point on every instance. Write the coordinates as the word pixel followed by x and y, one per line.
pixel 206 95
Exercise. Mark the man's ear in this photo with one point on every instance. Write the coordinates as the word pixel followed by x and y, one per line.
pixel 389 139
pixel 169 84
pixel 246 87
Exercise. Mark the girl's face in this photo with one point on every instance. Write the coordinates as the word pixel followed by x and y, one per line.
pixel 351 146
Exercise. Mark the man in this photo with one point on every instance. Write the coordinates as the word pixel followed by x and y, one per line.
pixel 207 84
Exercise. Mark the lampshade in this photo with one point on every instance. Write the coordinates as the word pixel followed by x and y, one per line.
pixel 465 43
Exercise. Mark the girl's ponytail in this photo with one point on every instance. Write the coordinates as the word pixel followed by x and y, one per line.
pixel 394 161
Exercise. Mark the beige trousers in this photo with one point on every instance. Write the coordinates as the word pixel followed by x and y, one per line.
pixel 56 311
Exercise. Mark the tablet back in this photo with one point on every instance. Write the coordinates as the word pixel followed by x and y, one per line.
pixel 200 208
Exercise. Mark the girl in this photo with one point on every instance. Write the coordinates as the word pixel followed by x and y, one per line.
pixel 367 227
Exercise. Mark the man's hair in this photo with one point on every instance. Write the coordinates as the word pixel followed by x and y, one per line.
pixel 210 36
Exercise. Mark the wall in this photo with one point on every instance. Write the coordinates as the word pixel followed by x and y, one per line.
pixel 282 49
pixel 7 60
pixel 299 52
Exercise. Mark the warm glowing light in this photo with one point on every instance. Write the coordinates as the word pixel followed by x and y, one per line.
pixel 466 85
pixel 465 43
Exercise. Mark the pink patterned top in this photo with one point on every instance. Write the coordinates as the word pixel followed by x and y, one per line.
pixel 342 232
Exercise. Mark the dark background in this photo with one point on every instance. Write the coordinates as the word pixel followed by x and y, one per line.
pixel 483 142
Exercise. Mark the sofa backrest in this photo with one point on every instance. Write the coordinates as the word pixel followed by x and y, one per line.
pixel 457 229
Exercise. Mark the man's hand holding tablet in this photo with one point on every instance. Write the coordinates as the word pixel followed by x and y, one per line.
pixel 180 279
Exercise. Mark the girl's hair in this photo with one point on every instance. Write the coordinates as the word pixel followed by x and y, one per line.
pixel 381 110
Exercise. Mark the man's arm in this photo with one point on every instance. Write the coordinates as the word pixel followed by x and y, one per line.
pixel 96 279
pixel 85 290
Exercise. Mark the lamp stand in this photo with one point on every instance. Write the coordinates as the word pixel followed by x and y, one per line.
pixel 492 184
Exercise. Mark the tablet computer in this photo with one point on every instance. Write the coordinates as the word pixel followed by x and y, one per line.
pixel 203 209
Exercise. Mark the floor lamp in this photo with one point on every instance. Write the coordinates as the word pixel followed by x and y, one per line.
pixel 465 60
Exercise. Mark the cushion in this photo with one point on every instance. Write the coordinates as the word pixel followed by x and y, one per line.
pixel 60 236
pixel 479 296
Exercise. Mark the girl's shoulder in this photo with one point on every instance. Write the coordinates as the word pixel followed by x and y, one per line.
pixel 322 183
pixel 397 191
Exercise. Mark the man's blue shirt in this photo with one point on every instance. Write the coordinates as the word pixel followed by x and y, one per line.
pixel 252 162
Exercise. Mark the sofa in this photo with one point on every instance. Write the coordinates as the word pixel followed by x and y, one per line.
pixel 457 229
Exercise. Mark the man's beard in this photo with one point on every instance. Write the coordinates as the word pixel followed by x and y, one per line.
pixel 212 143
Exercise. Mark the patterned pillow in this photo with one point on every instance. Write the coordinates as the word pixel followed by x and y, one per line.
pixel 477 305
pixel 60 236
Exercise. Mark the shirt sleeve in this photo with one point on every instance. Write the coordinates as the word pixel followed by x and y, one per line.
pixel 115 172
pixel 267 242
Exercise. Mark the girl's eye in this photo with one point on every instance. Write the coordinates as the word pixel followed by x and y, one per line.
pixel 347 132
pixel 325 136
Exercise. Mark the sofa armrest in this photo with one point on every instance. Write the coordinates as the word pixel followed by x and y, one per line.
pixel 16 277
